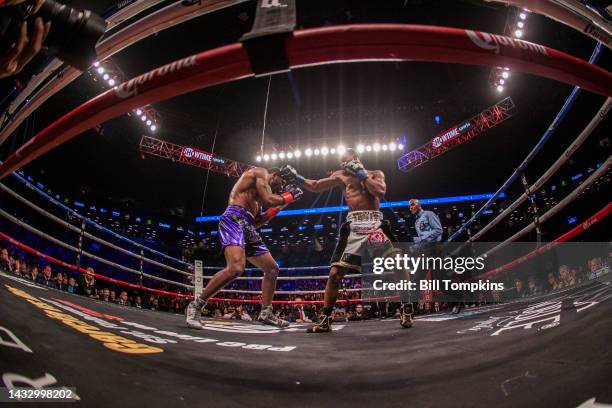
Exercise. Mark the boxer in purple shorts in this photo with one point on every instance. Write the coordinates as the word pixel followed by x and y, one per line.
pixel 256 189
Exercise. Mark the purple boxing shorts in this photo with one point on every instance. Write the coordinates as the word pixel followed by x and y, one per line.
pixel 237 228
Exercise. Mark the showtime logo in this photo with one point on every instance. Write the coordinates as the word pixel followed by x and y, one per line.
pixel 494 42
pixel 192 153
pixel 445 137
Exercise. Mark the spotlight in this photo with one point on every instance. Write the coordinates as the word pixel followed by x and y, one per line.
pixel 368 148
pixel 308 152
pixel 520 24
pixel 143 118
pixel 505 74
pixel 111 82
pixel 274 156
pixel 341 149
pixel 500 88
pixel 400 146
pixel 376 147
pixel 149 123
pixel 360 148
pixel 138 112
pixel 258 159
pixel 324 151
pixel 153 128
pixel 523 16
pixel 392 146
pixel 281 155
pixel 96 64
pixel 297 154
pixel 266 157
pixel 105 77
pixel 333 150
pixel 100 70
pixel 501 81
pixel 506 69
pixel 384 147
pixel 316 152
pixel 518 33
pixel 290 155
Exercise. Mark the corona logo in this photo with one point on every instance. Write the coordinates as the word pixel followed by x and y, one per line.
pixel 130 88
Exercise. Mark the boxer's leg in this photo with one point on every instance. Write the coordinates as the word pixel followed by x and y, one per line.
pixel 269 267
pixel 235 262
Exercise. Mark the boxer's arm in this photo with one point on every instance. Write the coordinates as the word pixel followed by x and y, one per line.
pixel 327 183
pixel 375 184
pixel 263 218
pixel 266 196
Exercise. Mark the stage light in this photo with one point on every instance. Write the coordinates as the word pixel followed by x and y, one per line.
pixel 523 16
pixel 360 148
pixel 290 155
pixel 520 24
pixel 500 88
pixel 341 149
pixel 333 150
pixel 105 77
pixel 316 152
pixel 384 147
pixel 153 128
pixel 368 148
pixel 111 82
pixel 274 156
pixel 437 119
pixel 258 159
pixel 149 123
pixel 392 146
pixel 297 153
pixel 100 70
pixel 266 157
pixel 143 118
pixel 400 146
pixel 281 155
pixel 96 64
pixel 324 151
pixel 518 33
pixel 505 74
pixel 308 152
pixel 138 112
pixel 501 81
pixel 376 147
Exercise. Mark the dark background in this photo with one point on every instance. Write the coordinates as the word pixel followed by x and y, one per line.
pixel 350 102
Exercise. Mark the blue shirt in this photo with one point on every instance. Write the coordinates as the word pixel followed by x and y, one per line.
pixel 428 227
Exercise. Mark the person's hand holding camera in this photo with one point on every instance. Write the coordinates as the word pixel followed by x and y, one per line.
pixel 13 59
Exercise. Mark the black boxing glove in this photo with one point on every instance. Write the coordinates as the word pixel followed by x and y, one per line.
pixel 355 167
pixel 292 193
pixel 291 175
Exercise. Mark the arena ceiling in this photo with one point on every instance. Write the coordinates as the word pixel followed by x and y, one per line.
pixel 348 101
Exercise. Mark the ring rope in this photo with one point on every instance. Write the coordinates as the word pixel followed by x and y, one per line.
pixel 154 23
pixel 572 13
pixel 602 170
pixel 565 156
pixel 577 230
pixel 85 233
pixel 534 151
pixel 310 47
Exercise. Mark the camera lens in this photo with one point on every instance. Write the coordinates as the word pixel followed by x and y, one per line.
pixel 74 34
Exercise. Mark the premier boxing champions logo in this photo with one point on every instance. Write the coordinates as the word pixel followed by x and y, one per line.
pixel 129 88
pixel 494 42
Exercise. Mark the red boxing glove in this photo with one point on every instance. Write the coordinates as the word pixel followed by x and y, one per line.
pixel 271 212
pixel 288 197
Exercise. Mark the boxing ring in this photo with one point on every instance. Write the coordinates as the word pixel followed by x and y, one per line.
pixel 515 353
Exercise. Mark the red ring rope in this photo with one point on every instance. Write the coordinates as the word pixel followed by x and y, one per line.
pixel 383 42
